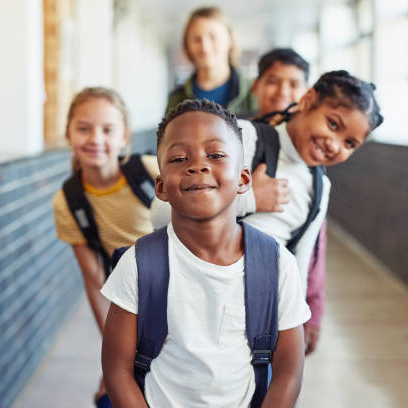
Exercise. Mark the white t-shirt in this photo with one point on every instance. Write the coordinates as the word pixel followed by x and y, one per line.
pixel 206 359
pixel 281 225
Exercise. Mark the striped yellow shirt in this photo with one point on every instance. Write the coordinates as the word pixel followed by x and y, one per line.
pixel 120 215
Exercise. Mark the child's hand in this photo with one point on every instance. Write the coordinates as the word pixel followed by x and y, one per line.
pixel 270 193
pixel 311 338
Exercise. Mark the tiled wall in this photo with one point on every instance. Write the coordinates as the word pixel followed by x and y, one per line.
pixel 369 199
pixel 39 278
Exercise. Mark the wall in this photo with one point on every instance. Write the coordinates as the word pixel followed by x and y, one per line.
pixel 21 80
pixel 93 32
pixel 140 68
pixel 39 278
pixel 369 200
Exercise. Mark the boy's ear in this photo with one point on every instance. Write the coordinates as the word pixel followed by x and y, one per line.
pixel 159 189
pixel 245 181
pixel 308 100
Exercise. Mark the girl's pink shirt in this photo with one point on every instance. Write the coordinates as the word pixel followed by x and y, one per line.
pixel 316 282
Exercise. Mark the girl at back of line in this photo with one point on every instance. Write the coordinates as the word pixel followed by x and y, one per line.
pixel 333 119
pixel 209 44
pixel 98 130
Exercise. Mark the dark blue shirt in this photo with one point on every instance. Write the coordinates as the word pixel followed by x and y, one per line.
pixel 219 95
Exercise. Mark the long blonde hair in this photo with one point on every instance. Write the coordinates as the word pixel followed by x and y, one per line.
pixel 98 92
pixel 216 14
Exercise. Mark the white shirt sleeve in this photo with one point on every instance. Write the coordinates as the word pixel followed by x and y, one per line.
pixel 245 203
pixel 160 213
pixel 292 308
pixel 249 139
pixel 121 286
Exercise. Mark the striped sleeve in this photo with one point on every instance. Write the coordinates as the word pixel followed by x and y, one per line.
pixel 67 229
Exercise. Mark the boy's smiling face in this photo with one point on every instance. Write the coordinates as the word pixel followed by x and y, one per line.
pixel 200 160
pixel 279 86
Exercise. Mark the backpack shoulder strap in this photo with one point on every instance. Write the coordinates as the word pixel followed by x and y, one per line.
pixel 139 180
pixel 153 282
pixel 267 147
pixel 261 302
pixel 82 212
pixel 314 208
pixel 117 254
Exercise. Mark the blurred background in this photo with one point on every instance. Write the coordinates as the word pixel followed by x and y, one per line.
pixel 50 49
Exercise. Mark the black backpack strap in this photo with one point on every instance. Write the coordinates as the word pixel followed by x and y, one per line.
pixel 82 211
pixel 314 209
pixel 267 148
pixel 153 282
pixel 285 113
pixel 116 255
pixel 139 180
pixel 261 302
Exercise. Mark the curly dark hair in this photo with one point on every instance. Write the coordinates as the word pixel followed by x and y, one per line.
pixel 199 105
pixel 347 90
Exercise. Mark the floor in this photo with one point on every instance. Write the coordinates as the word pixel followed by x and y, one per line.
pixel 361 360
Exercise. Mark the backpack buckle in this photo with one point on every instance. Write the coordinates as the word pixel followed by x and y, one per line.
pixel 261 357
pixel 142 362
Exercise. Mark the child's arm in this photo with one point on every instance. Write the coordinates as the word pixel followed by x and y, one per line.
pixel 118 354
pixel 94 277
pixel 287 369
pixel 316 283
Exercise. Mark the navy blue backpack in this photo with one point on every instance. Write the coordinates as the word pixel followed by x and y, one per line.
pixel 261 301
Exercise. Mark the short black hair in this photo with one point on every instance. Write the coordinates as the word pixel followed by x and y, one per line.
pixel 350 91
pixel 199 105
pixel 286 56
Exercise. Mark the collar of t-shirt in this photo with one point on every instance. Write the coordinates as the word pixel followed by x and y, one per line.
pixel 209 270
pixel 105 191
pixel 287 145
pixel 218 95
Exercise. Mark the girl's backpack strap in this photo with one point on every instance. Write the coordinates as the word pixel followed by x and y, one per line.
pixel 82 212
pixel 139 180
pixel 317 173
pixel 267 148
pixel 153 282
pixel 261 302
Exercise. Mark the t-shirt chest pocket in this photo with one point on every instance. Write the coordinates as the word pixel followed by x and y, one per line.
pixel 232 329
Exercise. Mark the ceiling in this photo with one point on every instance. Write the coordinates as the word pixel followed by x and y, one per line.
pixel 272 22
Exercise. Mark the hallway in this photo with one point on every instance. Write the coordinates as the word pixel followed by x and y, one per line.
pixel 361 360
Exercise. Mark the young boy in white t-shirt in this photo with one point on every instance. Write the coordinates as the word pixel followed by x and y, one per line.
pixel 205 359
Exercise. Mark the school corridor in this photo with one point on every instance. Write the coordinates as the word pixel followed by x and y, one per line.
pixel 52 49
pixel 361 360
